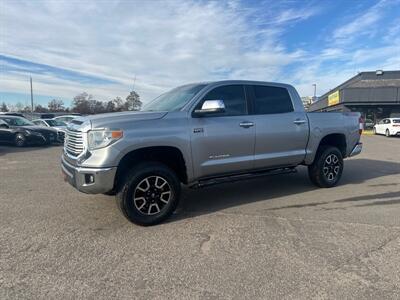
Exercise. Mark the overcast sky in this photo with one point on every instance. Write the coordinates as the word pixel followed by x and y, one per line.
pixel 100 46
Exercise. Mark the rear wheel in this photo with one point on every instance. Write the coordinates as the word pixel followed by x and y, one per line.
pixel 327 168
pixel 374 130
pixel 149 194
pixel 387 133
pixel 20 140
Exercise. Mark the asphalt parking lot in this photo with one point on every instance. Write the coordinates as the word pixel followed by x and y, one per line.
pixel 273 237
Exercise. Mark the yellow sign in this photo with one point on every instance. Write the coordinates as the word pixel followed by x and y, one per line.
pixel 333 98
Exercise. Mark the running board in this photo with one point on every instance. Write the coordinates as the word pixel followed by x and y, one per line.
pixel 233 178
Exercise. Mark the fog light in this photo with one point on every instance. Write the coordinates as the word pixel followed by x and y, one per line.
pixel 89 178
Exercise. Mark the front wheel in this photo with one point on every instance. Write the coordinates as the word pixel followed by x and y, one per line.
pixel 327 168
pixel 387 133
pixel 374 130
pixel 150 194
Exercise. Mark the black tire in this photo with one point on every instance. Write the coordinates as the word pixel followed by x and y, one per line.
pixel 374 130
pixel 19 140
pixel 323 173
pixel 139 200
pixel 387 133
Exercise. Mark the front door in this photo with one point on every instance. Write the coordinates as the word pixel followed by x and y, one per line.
pixel 223 143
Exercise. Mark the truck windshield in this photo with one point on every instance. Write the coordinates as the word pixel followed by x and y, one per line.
pixel 175 99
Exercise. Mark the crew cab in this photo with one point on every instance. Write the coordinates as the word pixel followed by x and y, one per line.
pixel 202 134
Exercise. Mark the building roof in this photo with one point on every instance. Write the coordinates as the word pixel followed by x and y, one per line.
pixel 368 79
pixel 377 86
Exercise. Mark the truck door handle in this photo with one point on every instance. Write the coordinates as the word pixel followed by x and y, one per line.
pixel 299 121
pixel 246 124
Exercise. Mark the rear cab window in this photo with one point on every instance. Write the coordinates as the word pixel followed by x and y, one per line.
pixel 271 100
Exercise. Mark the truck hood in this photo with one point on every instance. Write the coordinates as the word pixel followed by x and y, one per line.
pixel 108 119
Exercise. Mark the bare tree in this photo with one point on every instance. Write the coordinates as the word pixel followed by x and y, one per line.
pixel 56 105
pixel 19 107
pixel 119 104
pixel 41 109
pixel 4 107
pixel 81 103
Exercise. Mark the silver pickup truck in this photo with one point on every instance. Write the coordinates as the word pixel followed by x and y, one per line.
pixel 202 134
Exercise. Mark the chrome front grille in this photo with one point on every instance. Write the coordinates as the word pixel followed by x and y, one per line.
pixel 73 143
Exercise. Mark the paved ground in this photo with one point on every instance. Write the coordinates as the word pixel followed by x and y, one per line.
pixel 276 237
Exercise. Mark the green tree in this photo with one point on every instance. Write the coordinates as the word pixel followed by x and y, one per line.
pixel 133 101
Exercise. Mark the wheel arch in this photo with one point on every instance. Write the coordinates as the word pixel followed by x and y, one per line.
pixel 169 155
pixel 337 140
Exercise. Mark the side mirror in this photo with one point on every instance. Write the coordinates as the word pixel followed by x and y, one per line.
pixel 211 107
pixel 5 126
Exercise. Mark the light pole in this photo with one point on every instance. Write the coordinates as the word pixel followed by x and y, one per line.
pixel 315 92
pixel 31 98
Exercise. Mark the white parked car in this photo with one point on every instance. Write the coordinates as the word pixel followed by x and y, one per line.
pixel 55 124
pixel 66 118
pixel 388 127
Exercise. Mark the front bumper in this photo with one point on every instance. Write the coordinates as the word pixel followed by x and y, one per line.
pixel 89 180
pixel 356 150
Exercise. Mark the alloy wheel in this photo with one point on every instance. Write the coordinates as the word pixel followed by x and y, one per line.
pixel 151 195
pixel 19 140
pixel 331 167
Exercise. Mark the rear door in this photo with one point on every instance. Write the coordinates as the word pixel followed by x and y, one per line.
pixel 281 132
pixel 388 123
pixel 223 143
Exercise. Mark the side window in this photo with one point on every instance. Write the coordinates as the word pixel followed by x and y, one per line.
pixel 271 100
pixel 233 97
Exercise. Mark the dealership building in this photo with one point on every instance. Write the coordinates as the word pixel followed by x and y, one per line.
pixel 376 95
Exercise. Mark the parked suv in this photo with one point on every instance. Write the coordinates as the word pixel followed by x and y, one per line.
pixel 202 134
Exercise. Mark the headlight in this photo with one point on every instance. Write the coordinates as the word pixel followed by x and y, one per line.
pixel 102 138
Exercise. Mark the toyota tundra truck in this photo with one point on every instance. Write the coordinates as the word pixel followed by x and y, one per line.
pixel 203 134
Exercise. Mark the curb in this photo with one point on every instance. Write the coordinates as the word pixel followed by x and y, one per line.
pixel 368 132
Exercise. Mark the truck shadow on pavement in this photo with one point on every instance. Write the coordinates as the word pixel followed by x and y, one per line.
pixel 220 197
